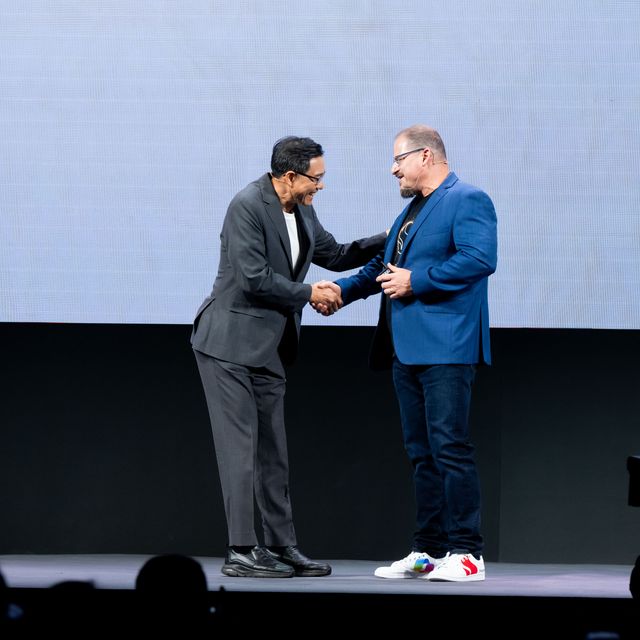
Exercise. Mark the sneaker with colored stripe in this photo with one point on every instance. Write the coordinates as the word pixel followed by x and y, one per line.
pixel 415 565
pixel 458 567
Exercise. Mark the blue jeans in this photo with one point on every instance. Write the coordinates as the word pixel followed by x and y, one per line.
pixel 434 408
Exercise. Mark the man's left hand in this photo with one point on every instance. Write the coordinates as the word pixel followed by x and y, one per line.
pixel 396 282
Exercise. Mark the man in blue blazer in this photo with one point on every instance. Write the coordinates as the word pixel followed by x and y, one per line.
pixel 433 330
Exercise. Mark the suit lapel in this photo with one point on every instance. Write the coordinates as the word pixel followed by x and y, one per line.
pixel 274 212
pixel 305 243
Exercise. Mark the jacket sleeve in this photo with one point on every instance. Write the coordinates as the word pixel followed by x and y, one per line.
pixel 362 284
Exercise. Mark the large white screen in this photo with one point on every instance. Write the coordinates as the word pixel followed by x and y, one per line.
pixel 127 126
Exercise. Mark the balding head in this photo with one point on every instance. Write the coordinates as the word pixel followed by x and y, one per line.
pixel 419 135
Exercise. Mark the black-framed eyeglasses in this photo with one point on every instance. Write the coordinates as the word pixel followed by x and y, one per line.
pixel 401 156
pixel 314 179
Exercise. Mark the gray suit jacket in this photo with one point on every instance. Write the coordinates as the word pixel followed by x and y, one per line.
pixel 258 297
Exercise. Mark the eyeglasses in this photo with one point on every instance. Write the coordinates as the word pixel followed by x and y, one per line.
pixel 401 156
pixel 314 179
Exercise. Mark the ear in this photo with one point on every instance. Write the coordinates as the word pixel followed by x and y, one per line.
pixel 290 176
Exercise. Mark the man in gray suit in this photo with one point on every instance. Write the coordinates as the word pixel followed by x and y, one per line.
pixel 244 333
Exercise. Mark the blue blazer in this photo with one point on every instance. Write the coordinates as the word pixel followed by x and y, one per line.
pixel 451 250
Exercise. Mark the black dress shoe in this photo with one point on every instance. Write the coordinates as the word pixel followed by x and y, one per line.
pixel 303 566
pixel 258 563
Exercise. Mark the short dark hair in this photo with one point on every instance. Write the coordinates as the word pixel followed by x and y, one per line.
pixel 293 154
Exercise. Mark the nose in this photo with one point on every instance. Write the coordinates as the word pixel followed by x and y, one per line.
pixel 394 168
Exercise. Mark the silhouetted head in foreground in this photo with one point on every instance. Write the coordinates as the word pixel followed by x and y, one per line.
pixel 173 594
pixel 69 608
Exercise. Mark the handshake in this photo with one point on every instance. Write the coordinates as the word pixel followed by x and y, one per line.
pixel 326 297
pixel 395 282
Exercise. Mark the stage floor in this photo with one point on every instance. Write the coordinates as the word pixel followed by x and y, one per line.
pixel 515 602
pixel 349 576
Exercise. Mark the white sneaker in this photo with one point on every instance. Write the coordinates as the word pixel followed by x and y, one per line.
pixel 415 565
pixel 458 567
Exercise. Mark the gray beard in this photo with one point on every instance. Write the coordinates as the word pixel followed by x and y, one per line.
pixel 405 192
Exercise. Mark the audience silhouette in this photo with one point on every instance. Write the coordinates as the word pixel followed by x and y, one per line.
pixel 70 608
pixel 4 603
pixel 172 596
pixel 11 614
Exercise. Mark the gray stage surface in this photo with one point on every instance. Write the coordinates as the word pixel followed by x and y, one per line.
pixel 349 576
pixel 515 602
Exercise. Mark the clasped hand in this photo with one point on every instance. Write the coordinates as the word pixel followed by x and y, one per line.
pixel 326 297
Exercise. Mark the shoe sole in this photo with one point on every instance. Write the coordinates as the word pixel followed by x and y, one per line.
pixel 312 573
pixel 238 571
pixel 407 575
pixel 472 578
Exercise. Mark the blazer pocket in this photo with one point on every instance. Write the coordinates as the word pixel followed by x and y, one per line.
pixel 248 312
pixel 441 311
pixel 436 232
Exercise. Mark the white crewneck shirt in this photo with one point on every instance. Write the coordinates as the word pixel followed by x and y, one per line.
pixel 292 228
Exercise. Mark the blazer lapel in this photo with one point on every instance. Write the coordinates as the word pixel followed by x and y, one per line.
pixel 274 211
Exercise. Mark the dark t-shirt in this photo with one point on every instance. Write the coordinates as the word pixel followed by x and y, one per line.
pixel 412 213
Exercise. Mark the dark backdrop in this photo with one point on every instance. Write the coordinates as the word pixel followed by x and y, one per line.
pixel 106 446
